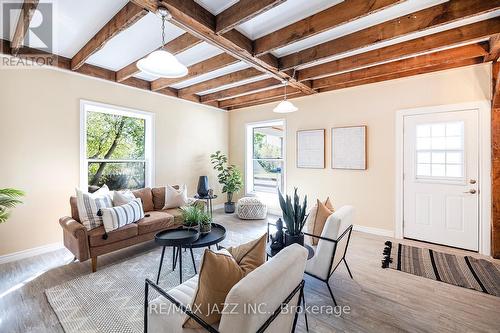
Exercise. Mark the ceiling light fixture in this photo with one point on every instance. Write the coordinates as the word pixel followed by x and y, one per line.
pixel 162 63
pixel 285 106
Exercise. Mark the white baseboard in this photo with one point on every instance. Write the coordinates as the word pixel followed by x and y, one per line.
pixel 374 231
pixel 30 252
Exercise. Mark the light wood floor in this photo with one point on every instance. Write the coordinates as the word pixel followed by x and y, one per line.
pixel 380 300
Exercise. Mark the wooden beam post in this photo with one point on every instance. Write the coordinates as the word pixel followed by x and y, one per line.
pixel 127 16
pixel 495 163
pixel 27 11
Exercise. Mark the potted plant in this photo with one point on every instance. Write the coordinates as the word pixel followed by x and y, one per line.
pixel 9 198
pixel 229 177
pixel 294 216
pixel 192 217
pixel 205 223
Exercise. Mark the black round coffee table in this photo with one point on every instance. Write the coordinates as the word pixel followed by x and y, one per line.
pixel 185 238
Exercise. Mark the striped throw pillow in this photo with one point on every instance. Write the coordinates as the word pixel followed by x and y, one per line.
pixel 116 217
pixel 89 205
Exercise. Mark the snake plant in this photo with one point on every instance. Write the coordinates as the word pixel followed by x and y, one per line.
pixel 294 214
pixel 9 198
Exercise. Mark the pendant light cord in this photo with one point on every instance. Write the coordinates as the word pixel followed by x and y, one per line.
pixel 163 18
pixel 286 81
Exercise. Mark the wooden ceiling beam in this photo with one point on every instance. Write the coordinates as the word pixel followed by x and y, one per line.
pixel 23 23
pixel 444 13
pixel 241 12
pixel 193 18
pixel 456 36
pixel 494 48
pixel 344 12
pixel 398 75
pixel 241 90
pixel 495 100
pixel 259 96
pixel 266 101
pixel 177 45
pixel 127 16
pixel 421 61
pixel 233 77
pixel 205 66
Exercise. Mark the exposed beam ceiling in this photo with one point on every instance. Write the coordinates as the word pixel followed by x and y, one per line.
pixel 495 101
pixel 240 90
pixel 241 12
pixel 418 21
pixel 23 23
pixel 344 12
pixel 260 96
pixel 460 35
pixel 127 16
pixel 205 66
pixel 233 77
pixel 425 60
pixel 193 18
pixel 178 45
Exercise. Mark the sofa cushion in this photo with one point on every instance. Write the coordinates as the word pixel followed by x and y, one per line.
pixel 147 198
pixel 155 221
pixel 176 213
pixel 127 231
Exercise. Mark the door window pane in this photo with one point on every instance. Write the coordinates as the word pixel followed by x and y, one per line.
pixel 439 150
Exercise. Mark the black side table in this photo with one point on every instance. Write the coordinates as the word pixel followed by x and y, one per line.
pixel 208 199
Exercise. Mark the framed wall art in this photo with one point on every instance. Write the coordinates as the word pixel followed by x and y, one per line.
pixel 311 149
pixel 349 148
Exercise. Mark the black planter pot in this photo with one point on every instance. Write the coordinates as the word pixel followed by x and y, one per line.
pixel 229 207
pixel 202 186
pixel 290 239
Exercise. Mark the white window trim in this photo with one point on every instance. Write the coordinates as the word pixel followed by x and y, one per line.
pixel 249 152
pixel 149 150
pixel 484 114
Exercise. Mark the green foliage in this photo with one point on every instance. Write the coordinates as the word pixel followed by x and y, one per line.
pixel 229 176
pixel 293 215
pixel 9 198
pixel 114 137
pixel 192 215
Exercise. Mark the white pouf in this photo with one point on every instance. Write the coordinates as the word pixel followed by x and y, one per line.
pixel 250 208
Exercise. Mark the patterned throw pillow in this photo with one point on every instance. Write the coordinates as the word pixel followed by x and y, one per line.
pixel 89 205
pixel 116 217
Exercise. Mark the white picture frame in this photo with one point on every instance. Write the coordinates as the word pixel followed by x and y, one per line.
pixel 348 146
pixel 311 149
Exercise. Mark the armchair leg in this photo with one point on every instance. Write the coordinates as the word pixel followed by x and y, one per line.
pixel 331 293
pixel 348 270
pixel 94 264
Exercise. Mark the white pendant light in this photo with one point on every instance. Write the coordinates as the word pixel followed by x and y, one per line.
pixel 285 106
pixel 162 63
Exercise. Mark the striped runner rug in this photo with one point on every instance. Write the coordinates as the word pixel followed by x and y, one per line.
pixel 463 271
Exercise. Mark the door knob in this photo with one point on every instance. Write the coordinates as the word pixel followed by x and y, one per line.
pixel 472 181
pixel 471 191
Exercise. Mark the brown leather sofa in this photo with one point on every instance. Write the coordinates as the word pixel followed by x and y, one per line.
pixel 85 244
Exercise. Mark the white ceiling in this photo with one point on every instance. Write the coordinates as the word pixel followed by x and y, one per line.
pixel 76 21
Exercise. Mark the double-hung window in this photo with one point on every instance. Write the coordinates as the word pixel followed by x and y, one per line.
pixel 116 147
pixel 265 157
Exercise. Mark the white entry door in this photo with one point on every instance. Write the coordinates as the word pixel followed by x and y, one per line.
pixel 441 185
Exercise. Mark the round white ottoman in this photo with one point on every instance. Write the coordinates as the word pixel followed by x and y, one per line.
pixel 250 208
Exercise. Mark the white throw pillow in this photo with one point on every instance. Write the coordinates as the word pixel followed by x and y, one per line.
pixel 89 205
pixel 122 198
pixel 116 217
pixel 175 198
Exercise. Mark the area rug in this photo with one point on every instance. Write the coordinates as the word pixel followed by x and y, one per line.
pixel 112 299
pixel 464 271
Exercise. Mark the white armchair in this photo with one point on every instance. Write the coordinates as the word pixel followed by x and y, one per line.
pixel 332 246
pixel 277 282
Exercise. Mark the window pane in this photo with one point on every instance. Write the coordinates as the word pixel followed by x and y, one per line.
pixel 438 130
pixel 454 157
pixel 267 176
pixel 423 143
pixel 268 142
pixel 423 131
pixel 115 137
pixel 454 129
pixel 117 176
pixel 423 169
pixel 439 157
pixel 438 170
pixel 424 158
pixel 454 142
pixel 438 143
